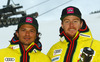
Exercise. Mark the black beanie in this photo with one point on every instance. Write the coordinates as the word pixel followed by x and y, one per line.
pixel 28 20
pixel 70 11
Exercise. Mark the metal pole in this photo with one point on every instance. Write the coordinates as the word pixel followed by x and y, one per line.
pixel 8 2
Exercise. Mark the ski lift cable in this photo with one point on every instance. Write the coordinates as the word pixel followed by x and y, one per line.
pixel 54 8
pixel 37 5
pixel 13 2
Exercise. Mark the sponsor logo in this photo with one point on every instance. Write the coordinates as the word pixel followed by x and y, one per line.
pixel 58 51
pixel 55 58
pixel 84 35
pixel 15 47
pixel 29 20
pixel 70 10
pixel 9 59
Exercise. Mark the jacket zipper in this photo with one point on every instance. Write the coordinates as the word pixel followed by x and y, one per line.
pixel 72 47
pixel 71 50
pixel 25 56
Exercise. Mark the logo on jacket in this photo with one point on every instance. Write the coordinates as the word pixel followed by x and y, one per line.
pixel 84 35
pixel 15 47
pixel 58 51
pixel 55 58
pixel 9 59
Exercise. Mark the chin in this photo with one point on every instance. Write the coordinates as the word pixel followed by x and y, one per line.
pixel 72 35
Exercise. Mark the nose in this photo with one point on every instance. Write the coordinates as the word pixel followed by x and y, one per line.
pixel 27 33
pixel 71 24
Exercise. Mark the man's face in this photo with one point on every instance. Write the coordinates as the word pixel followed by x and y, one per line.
pixel 26 34
pixel 71 24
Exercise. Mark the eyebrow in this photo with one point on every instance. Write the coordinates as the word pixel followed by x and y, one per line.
pixel 26 28
pixel 73 19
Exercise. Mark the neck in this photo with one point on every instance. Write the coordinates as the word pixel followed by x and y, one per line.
pixel 25 46
pixel 70 37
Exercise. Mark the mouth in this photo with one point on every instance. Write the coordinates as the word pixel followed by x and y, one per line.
pixel 71 29
pixel 27 39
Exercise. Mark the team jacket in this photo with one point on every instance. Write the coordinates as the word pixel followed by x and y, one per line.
pixel 70 50
pixel 15 52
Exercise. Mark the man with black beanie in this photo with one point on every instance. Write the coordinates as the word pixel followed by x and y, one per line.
pixel 75 36
pixel 25 45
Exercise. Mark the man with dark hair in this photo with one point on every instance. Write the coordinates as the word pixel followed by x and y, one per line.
pixel 76 42
pixel 25 45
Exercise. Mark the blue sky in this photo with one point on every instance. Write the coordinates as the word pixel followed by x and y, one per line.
pixel 49 23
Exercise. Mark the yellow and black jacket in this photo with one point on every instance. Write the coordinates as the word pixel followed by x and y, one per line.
pixel 15 52
pixel 69 50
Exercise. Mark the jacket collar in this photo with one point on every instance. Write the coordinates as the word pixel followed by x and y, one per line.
pixel 33 47
pixel 64 37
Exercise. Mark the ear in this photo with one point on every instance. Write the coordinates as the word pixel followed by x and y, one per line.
pixel 17 34
pixel 81 23
pixel 37 34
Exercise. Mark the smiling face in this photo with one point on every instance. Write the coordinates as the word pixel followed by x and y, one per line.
pixel 71 24
pixel 26 34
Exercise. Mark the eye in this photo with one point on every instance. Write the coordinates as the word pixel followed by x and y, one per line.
pixel 22 29
pixel 75 21
pixel 67 21
pixel 32 31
